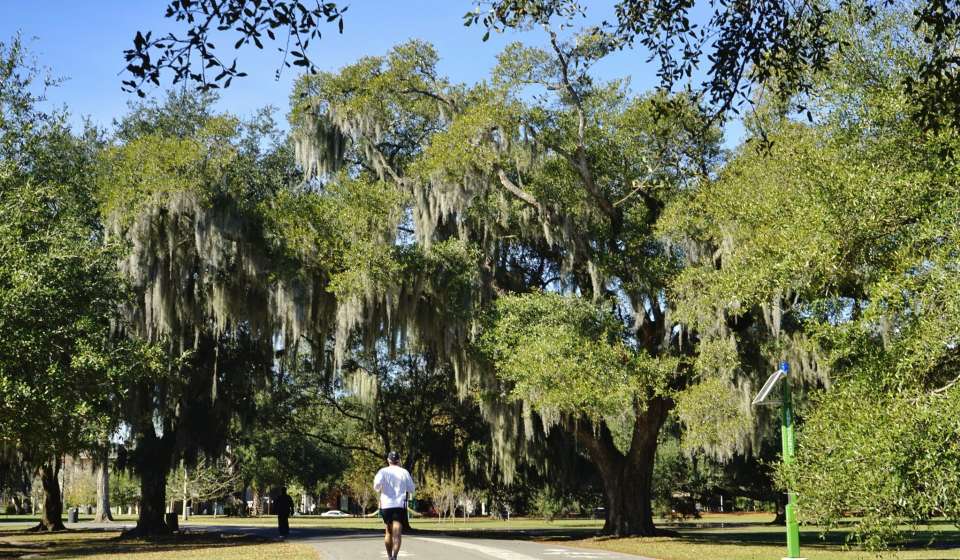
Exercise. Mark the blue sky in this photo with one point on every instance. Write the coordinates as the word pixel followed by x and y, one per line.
pixel 83 42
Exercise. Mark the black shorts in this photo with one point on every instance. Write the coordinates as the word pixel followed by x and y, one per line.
pixel 394 514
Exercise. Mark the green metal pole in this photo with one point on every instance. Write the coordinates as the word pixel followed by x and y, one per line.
pixel 787 440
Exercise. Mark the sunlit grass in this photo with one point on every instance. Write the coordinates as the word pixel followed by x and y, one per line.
pixel 743 536
pixel 761 541
pixel 424 524
pixel 101 545
pixel 668 548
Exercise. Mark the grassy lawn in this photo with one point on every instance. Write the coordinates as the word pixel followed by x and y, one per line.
pixel 665 548
pixel 103 545
pixel 478 524
pixel 519 524
pixel 8 520
pixel 715 536
pixel 735 541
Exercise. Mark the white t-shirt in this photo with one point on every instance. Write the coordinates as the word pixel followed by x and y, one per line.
pixel 393 483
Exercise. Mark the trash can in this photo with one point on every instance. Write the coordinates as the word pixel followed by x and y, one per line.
pixel 72 515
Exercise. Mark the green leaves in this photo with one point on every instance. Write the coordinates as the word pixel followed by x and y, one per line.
pixel 567 357
pixel 344 226
pixel 60 292
pixel 151 170
pixel 836 247
pixel 718 425
pixel 883 457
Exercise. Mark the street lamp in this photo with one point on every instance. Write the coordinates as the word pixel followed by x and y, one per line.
pixel 787 441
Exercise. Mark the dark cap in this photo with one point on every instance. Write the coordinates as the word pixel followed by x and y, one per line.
pixel 393 457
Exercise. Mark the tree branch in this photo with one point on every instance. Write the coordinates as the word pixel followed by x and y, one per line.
pixel 578 159
pixel 333 402
pixel 335 443
pixel 516 191
pixel 438 96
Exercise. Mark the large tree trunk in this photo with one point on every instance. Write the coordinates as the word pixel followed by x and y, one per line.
pixel 152 463
pixel 103 514
pixel 51 519
pixel 627 480
pixel 153 494
pixel 629 510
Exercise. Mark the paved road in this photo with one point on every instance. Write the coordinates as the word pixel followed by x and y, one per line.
pixel 366 545
pixel 369 547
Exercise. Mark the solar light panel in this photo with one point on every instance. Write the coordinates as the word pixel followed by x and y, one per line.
pixel 761 397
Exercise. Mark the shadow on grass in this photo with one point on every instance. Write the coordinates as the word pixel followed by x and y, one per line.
pixel 913 540
pixel 756 534
pixel 93 542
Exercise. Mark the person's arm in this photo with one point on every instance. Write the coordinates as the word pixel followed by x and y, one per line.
pixel 378 481
pixel 410 485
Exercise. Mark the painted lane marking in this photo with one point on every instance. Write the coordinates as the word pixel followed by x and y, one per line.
pixel 586 554
pixel 498 553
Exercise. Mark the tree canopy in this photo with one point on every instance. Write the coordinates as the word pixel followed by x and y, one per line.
pixel 543 288
pixel 848 251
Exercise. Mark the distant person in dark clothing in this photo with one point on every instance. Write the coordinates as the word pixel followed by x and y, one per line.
pixel 284 511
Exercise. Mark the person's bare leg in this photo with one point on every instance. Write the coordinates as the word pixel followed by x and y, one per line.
pixel 388 540
pixel 397 529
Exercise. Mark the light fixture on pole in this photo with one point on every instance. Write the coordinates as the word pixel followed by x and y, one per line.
pixel 787 441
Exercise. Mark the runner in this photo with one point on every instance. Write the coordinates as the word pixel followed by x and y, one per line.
pixel 393 482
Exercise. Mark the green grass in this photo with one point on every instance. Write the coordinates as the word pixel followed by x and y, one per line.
pixel 473 524
pixel 104 545
pixel 744 536
pixel 669 548
pixel 5 519
pixel 720 539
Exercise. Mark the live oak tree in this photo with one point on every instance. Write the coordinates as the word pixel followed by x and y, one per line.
pixel 572 367
pixel 500 196
pixel 848 250
pixel 181 188
pixel 59 294
pixel 60 289
pixel 892 408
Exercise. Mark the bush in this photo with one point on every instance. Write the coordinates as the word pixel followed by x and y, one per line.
pixel 550 504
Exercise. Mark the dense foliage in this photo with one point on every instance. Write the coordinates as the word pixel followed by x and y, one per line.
pixel 545 290
pixel 62 371
pixel 849 251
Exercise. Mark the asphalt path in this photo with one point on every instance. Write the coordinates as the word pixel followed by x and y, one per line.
pixel 335 544
pixel 367 545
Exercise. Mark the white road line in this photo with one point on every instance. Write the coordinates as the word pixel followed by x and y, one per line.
pixel 498 553
pixel 566 553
